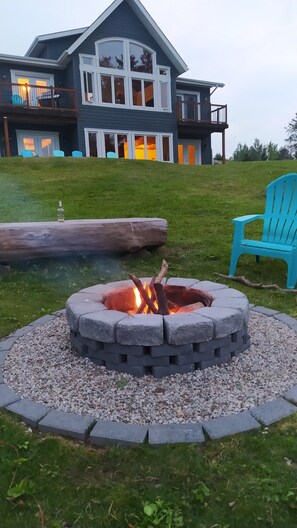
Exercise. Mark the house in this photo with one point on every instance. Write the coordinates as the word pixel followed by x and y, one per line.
pixel 115 86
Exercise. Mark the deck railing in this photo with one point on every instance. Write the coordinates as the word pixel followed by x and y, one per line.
pixel 19 96
pixel 190 112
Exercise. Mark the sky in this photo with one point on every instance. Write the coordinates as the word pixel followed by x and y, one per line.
pixel 249 45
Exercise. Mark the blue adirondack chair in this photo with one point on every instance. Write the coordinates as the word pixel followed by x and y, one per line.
pixel 279 238
pixel 58 153
pixel 77 154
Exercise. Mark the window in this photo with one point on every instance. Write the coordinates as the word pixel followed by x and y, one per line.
pixel 141 59
pixel 41 144
pixel 188 106
pixel 111 54
pixel 125 74
pixel 129 145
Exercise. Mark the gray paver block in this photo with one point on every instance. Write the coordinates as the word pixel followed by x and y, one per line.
pixel 264 311
pixel 42 320
pixel 22 331
pixel 75 311
pixel 107 433
pixel 226 321
pixel 227 293
pixel 236 303
pixel 175 433
pixel 229 425
pixel 187 283
pixel 6 344
pixel 7 395
pixel 146 330
pixel 291 394
pixel 287 319
pixel 209 286
pixel 3 355
pixel 31 412
pixel 66 424
pixel 101 326
pixel 171 350
pixel 81 297
pixel 273 411
pixel 1 375
pixel 184 328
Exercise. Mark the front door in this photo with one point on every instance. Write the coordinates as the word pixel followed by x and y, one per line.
pixel 41 144
pixel 189 152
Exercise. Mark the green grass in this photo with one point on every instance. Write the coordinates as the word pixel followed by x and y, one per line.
pixel 245 481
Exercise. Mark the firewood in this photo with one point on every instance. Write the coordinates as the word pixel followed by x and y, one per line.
pixel 143 304
pixel 161 299
pixel 256 285
pixel 163 272
pixel 143 293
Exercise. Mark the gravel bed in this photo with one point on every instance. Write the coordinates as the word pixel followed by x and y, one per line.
pixel 43 367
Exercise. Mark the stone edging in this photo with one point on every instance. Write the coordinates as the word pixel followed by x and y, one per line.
pixel 104 433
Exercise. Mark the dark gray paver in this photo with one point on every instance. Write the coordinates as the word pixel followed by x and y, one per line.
pixel 1 375
pixel 5 344
pixel 273 411
pixel 107 433
pixel 287 319
pixel 175 433
pixel 229 425
pixel 31 412
pixel 43 320
pixel 291 394
pixel 66 424
pixel 7 395
pixel 264 311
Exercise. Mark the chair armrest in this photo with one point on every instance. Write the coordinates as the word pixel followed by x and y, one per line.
pixel 239 224
pixel 247 218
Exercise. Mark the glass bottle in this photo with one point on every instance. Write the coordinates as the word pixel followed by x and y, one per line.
pixel 60 212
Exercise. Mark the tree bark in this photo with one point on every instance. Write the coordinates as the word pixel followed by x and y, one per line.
pixel 46 239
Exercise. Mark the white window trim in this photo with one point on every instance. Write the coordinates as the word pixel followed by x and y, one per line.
pixel 35 134
pixel 46 76
pixel 128 75
pixel 130 139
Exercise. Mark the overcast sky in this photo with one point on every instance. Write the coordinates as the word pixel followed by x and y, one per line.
pixel 249 45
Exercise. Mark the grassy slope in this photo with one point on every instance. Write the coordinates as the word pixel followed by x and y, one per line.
pixel 248 480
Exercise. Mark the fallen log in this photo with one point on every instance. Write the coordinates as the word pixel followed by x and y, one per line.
pixel 46 239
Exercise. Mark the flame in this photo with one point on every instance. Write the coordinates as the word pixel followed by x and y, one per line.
pixel 137 298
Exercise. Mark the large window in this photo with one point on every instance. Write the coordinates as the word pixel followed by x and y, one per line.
pixel 125 74
pixel 129 145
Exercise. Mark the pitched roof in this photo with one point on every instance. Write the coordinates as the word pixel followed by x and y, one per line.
pixel 150 25
pixel 37 42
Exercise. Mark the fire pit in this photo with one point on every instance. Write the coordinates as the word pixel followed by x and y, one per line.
pixel 206 325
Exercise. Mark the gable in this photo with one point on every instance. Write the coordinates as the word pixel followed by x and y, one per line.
pixel 128 19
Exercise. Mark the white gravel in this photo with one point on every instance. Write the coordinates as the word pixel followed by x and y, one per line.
pixel 43 367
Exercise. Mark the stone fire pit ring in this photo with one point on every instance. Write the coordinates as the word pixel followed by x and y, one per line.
pixel 154 344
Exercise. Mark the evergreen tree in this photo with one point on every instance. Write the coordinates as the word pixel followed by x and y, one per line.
pixel 292 136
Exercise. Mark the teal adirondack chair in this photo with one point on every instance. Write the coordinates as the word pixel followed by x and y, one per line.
pixel 279 238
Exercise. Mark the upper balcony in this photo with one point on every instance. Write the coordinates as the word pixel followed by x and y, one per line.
pixel 23 102
pixel 201 118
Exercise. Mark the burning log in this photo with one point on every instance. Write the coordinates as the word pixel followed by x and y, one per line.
pixel 144 295
pixel 161 298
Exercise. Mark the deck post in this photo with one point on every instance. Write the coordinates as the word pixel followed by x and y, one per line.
pixel 6 135
pixel 223 148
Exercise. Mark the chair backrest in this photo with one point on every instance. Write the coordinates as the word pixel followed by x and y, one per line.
pixel 280 219
pixel 59 153
pixel 111 155
pixel 77 154
pixel 17 100
pixel 27 154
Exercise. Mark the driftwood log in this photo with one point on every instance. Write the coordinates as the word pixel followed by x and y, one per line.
pixel 45 239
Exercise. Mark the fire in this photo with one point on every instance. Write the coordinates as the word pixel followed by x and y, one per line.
pixel 138 300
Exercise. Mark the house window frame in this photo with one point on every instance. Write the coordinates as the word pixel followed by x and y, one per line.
pixel 37 134
pixel 157 78
pixel 100 132
pixel 182 93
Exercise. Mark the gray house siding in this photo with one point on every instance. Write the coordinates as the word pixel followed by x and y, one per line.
pixel 53 48
pixel 123 23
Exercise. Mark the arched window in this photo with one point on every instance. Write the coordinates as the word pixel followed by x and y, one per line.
pixel 125 73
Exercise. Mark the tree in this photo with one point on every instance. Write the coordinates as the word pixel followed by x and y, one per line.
pixel 260 152
pixel 292 136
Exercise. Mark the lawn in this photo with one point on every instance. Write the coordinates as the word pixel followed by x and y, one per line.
pixel 244 481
